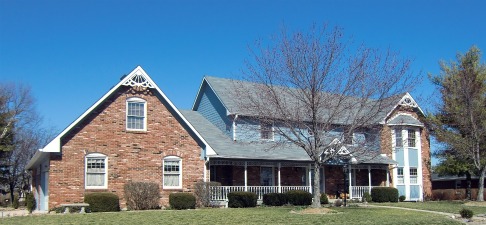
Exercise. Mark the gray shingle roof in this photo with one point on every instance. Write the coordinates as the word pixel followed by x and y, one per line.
pixel 405 120
pixel 229 149
pixel 225 90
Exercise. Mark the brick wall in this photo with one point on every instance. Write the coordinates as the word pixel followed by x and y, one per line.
pixel 132 156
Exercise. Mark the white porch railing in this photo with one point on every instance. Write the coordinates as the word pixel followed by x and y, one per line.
pixel 220 193
pixel 358 191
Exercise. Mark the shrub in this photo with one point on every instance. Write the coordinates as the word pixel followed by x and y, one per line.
pixel 366 197
pixel 102 202
pixel 182 201
pixel 298 197
pixel 30 202
pixel 384 194
pixel 324 199
pixel 466 213
pixel 274 199
pixel 203 192
pixel 142 195
pixel 242 199
pixel 401 198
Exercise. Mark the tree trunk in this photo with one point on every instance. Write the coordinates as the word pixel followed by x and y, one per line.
pixel 481 185
pixel 468 186
pixel 12 194
pixel 316 201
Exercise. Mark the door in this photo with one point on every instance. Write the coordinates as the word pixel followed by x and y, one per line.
pixel 266 176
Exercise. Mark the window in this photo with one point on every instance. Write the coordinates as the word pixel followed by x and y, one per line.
pixel 400 175
pixel 266 131
pixel 172 172
pixel 136 114
pixel 398 138
pixel 413 175
pixel 411 138
pixel 95 168
pixel 348 138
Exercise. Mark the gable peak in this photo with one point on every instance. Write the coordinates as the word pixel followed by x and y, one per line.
pixel 138 78
pixel 407 100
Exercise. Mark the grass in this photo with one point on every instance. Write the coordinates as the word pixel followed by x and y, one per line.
pixel 259 215
pixel 439 206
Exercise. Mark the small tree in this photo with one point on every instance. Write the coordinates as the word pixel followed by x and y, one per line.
pixel 460 121
pixel 311 86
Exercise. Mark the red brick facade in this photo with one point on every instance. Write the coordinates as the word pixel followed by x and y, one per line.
pixel 132 156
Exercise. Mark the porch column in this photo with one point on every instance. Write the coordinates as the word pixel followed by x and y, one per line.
pixel 369 178
pixel 310 178
pixel 246 176
pixel 350 190
pixel 387 176
pixel 278 178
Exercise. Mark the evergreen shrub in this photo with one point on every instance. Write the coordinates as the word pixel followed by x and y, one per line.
pixel 242 199
pixel 298 197
pixel 102 202
pixel 182 201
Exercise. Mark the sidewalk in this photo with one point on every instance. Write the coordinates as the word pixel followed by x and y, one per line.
pixel 476 220
pixel 17 212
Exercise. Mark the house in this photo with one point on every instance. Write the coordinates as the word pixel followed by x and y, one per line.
pixel 453 187
pixel 135 133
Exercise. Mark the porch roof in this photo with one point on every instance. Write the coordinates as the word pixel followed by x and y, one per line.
pixel 226 148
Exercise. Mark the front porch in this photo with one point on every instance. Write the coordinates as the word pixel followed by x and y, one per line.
pixel 262 177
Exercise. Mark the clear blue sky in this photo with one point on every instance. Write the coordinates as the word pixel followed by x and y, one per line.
pixel 72 52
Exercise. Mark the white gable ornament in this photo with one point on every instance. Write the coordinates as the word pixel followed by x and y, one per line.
pixel 407 100
pixel 138 81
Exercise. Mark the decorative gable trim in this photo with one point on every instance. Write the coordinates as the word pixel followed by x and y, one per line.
pixel 138 78
pixel 406 100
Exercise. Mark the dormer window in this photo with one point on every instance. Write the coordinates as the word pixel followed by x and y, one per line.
pixel 136 114
pixel 411 138
pixel 266 131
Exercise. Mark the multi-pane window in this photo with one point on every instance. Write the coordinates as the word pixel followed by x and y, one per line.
pixel 411 138
pixel 96 171
pixel 398 138
pixel 413 175
pixel 136 114
pixel 266 131
pixel 400 179
pixel 172 172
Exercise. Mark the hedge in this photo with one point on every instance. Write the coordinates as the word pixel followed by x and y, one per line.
pixel 182 201
pixel 242 199
pixel 324 199
pixel 30 202
pixel 102 202
pixel 384 194
pixel 298 197
pixel 275 199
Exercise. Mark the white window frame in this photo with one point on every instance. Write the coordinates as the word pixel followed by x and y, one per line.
pixel 136 100
pixel 411 132
pixel 413 176
pixel 271 131
pixel 172 159
pixel 398 144
pixel 95 156
pixel 400 177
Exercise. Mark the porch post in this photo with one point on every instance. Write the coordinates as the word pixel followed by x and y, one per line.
pixel 369 177
pixel 350 190
pixel 246 176
pixel 310 178
pixel 387 176
pixel 279 187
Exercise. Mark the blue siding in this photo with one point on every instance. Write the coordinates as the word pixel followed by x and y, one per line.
pixel 414 191
pixel 400 156
pixel 401 190
pixel 413 157
pixel 214 111
pixel 247 130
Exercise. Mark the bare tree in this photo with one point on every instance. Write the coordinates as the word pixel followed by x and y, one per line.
pixel 316 90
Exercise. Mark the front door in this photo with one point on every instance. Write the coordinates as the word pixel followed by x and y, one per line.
pixel 266 176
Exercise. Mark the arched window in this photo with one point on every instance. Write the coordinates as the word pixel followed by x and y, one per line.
pixel 136 114
pixel 172 174
pixel 96 170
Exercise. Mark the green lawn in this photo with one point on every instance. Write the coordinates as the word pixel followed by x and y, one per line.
pixel 260 215
pixel 440 206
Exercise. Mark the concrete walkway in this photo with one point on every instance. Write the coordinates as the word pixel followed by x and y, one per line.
pixel 476 220
pixel 17 212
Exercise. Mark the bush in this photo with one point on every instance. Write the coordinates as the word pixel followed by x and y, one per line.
pixel 366 197
pixel 242 199
pixel 142 195
pixel 274 199
pixel 203 192
pixel 182 201
pixel 466 213
pixel 384 194
pixel 102 202
pixel 401 198
pixel 324 199
pixel 30 202
pixel 298 197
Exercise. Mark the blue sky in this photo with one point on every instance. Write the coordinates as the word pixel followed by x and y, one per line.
pixel 72 52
